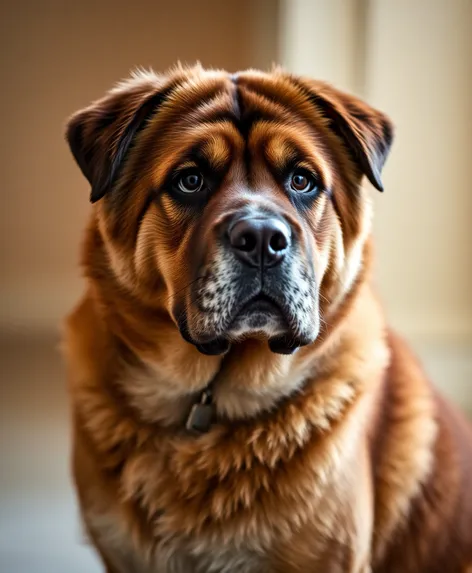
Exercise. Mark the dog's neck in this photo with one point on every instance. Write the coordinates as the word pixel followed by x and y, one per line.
pixel 163 387
pixel 161 381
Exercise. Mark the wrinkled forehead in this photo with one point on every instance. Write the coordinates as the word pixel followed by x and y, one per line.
pixel 246 122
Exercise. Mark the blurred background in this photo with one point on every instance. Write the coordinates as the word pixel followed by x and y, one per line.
pixel 410 58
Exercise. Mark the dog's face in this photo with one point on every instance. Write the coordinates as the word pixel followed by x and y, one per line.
pixel 232 202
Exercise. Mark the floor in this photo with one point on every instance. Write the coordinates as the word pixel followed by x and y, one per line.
pixel 39 529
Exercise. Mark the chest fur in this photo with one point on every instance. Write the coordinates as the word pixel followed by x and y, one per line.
pixel 176 556
pixel 246 521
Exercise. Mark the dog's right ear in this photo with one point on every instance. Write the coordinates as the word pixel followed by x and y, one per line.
pixel 101 135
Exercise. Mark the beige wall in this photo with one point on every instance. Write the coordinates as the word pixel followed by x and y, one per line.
pixel 318 38
pixel 56 57
pixel 419 69
pixel 413 59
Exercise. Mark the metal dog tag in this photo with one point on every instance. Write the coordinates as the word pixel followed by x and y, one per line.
pixel 201 415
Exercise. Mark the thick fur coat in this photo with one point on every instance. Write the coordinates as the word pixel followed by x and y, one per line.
pixel 329 451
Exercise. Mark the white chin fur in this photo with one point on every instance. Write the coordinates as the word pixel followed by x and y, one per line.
pixel 268 326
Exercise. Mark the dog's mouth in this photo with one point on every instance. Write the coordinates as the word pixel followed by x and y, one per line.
pixel 259 317
pixel 258 311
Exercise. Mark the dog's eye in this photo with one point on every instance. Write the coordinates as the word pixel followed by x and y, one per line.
pixel 190 181
pixel 302 181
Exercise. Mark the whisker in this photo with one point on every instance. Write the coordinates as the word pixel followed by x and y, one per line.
pixel 323 297
pixel 184 288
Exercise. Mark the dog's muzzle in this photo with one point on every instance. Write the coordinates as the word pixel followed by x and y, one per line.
pixel 257 282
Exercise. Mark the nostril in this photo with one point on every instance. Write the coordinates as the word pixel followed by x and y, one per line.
pixel 278 242
pixel 247 242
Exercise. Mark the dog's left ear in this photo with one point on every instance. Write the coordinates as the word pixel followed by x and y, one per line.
pixel 367 132
pixel 100 136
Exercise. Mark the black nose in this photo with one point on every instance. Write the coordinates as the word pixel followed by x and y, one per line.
pixel 260 242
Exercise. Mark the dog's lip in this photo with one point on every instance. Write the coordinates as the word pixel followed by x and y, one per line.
pixel 219 344
pixel 259 303
pixel 214 347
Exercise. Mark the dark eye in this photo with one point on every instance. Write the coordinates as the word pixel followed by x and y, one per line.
pixel 190 181
pixel 302 181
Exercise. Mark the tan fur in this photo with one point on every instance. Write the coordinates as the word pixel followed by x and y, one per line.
pixel 340 457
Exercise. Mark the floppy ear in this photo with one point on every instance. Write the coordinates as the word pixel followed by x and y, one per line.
pixel 367 132
pixel 101 135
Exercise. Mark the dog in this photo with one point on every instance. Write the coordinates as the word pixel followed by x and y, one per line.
pixel 239 403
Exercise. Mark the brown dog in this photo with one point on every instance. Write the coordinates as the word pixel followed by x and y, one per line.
pixel 229 229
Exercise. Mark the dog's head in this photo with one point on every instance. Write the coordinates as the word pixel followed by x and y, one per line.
pixel 233 202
